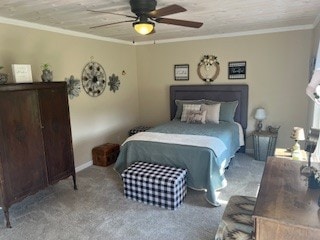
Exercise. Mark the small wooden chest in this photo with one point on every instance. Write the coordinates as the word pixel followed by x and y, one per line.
pixel 105 154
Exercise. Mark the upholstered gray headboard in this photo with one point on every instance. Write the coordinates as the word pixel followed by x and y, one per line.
pixel 221 93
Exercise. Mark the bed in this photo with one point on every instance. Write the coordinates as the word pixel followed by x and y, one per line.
pixel 203 149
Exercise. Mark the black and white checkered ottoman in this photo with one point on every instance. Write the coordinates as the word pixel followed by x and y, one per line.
pixel 138 129
pixel 155 184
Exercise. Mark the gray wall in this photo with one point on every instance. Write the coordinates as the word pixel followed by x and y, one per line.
pixel 277 75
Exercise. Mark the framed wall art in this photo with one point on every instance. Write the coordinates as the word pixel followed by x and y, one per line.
pixel 181 72
pixel 237 70
pixel 21 73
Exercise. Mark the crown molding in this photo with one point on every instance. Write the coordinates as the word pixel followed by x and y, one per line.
pixel 59 30
pixel 316 21
pixel 113 40
pixel 235 34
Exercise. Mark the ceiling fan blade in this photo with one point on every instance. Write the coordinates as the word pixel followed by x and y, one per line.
pixel 178 22
pixel 119 14
pixel 171 9
pixel 108 24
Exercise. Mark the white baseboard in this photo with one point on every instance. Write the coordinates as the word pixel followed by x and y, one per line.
pixel 84 166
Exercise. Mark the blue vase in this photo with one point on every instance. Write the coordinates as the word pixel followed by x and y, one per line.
pixel 47 75
pixel 313 183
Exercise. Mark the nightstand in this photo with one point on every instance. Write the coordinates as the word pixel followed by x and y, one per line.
pixel 264 144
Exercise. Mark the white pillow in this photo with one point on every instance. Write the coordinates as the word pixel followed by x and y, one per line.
pixel 213 111
pixel 188 107
pixel 196 116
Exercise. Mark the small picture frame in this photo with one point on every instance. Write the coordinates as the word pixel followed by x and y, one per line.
pixel 181 72
pixel 237 70
pixel 21 73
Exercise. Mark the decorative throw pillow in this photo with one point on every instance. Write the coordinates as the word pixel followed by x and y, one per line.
pixel 213 112
pixel 180 103
pixel 227 111
pixel 196 116
pixel 189 107
pixel 209 102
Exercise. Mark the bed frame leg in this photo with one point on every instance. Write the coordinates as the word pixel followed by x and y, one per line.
pixel 230 163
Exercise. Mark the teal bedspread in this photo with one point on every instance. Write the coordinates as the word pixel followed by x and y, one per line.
pixel 205 168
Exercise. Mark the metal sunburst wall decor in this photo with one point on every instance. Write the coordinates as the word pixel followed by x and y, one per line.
pixel 114 83
pixel 93 79
pixel 73 87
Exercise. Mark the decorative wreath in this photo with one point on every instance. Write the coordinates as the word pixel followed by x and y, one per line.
pixel 205 71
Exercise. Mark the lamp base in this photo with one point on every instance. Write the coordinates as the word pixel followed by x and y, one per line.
pixel 259 126
pixel 296 152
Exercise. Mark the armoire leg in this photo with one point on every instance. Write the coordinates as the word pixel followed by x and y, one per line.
pixel 74 181
pixel 6 215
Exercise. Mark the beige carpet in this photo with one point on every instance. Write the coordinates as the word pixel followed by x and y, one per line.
pixel 98 210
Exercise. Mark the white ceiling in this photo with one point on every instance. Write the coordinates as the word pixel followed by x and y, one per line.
pixel 219 16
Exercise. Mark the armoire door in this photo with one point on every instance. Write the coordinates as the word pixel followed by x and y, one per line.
pixel 21 146
pixel 56 132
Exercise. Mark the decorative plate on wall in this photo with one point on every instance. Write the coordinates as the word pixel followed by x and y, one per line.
pixel 93 79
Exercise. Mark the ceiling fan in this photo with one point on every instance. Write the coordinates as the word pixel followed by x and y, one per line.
pixel 147 14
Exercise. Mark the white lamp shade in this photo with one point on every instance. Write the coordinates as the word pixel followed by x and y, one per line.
pixel 260 114
pixel 298 134
pixel 312 87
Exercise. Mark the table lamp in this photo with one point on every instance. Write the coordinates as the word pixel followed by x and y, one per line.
pixel 297 135
pixel 260 115
pixel 310 147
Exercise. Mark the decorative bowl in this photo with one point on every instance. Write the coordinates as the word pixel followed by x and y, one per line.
pixel 274 129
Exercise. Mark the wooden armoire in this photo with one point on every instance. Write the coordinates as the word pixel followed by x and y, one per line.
pixel 35 140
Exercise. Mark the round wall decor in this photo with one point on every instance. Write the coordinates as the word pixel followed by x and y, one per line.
pixel 93 79
pixel 208 68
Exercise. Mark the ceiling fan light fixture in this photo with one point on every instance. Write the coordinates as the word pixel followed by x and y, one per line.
pixel 143 28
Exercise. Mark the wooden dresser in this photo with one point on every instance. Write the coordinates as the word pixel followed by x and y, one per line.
pixel 286 209
pixel 35 140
